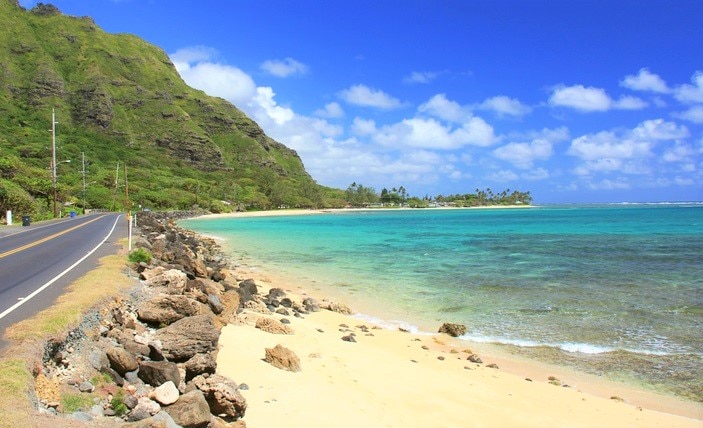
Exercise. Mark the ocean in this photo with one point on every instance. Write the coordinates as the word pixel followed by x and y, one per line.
pixel 613 290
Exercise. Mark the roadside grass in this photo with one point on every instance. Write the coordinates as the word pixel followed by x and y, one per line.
pixel 20 361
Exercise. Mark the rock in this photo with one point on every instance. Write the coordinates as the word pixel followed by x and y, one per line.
pixel 311 305
pixel 339 308
pixel 97 411
pixel 272 326
pixel 166 393
pixel 247 289
pixel 282 358
pixel 349 338
pixel 159 420
pixel 215 304
pixel 475 359
pixel 86 387
pixel 130 401
pixel 121 360
pixel 148 406
pixel 98 359
pixel 276 293
pixel 200 364
pixel 166 309
pixel 492 365
pixel 156 373
pixel 188 336
pixel 173 280
pixel 221 395
pixel 81 416
pixel 207 286
pixel 191 410
pixel 454 330
pixel 148 274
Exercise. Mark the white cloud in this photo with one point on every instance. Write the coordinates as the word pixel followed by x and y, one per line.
pixel 608 145
pixel 431 134
pixel 659 129
pixel 363 127
pixel 580 98
pixel 503 105
pixel 215 79
pixel 630 103
pixel 678 153
pixel 628 152
pixel 284 67
pixel 644 80
pixel 523 155
pixel 420 77
pixel 693 114
pixel 439 106
pixel 592 99
pixel 264 99
pixel 332 111
pixel 691 93
pixel 362 95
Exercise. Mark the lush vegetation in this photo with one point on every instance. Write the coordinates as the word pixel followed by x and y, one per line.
pixel 145 134
pixel 131 134
pixel 359 195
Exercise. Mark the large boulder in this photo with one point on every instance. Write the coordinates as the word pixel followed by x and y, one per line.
pixel 222 395
pixel 191 410
pixel 282 358
pixel 121 360
pixel 148 274
pixel 156 373
pixel 166 309
pixel 173 280
pixel 200 364
pixel 454 330
pixel 187 337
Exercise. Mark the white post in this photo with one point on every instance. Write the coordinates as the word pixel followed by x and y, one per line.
pixel 9 218
pixel 129 232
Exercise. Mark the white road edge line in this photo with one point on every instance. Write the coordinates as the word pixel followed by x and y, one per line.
pixel 57 277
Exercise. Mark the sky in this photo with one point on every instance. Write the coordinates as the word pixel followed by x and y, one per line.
pixel 575 101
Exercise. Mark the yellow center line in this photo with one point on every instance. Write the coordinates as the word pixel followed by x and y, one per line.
pixel 35 243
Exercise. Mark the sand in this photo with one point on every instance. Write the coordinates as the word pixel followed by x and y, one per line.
pixel 391 378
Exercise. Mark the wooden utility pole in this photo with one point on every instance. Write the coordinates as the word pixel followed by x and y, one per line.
pixel 53 157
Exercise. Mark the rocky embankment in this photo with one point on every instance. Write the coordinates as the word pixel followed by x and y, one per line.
pixel 148 359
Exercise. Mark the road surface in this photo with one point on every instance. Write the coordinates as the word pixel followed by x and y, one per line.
pixel 38 262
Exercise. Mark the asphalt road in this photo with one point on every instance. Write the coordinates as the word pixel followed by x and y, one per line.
pixel 38 262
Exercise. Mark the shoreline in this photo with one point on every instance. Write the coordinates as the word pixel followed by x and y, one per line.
pixel 515 367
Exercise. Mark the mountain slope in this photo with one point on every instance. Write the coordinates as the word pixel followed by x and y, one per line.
pixel 120 99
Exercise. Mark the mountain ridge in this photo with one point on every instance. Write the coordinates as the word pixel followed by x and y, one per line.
pixel 120 99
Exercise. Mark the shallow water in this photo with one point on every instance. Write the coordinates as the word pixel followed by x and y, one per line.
pixel 614 290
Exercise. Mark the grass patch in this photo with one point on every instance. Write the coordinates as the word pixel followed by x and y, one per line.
pixel 14 384
pixel 76 402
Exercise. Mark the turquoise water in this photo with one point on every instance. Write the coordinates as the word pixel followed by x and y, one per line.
pixel 615 290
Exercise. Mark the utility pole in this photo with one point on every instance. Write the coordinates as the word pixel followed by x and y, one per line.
pixel 83 162
pixel 129 211
pixel 53 156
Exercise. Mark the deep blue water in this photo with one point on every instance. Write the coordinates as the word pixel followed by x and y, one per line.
pixel 586 280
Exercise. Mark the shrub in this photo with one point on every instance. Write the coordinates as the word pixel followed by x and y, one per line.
pixel 140 255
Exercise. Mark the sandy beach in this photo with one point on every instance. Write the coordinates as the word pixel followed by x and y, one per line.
pixel 391 378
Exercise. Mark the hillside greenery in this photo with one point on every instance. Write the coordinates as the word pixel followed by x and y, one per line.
pixel 131 134
pixel 121 104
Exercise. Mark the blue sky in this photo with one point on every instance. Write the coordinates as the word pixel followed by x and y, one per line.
pixel 576 101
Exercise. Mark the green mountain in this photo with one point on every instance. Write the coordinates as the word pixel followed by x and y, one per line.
pixel 121 105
